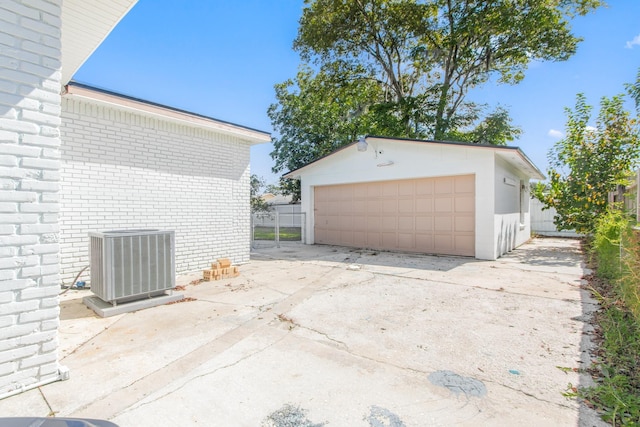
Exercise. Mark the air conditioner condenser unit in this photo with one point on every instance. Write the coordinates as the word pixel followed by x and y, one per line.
pixel 128 265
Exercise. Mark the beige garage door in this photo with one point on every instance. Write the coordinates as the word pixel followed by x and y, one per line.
pixel 430 215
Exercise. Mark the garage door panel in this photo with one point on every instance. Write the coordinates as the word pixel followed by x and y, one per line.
pixel 443 223
pixel 360 238
pixel 465 204
pixel 424 242
pixel 443 205
pixel 406 241
pixel 424 187
pixel 373 223
pixel 346 222
pixel 406 206
pixel 346 238
pixel 334 192
pixel 443 185
pixel 373 190
pixel 333 235
pixel 406 223
pixel 464 245
pixel 389 240
pixel 321 194
pixel 432 215
pixel 359 207
pixel 464 223
pixel 390 223
pixel 374 206
pixel 333 206
pixel 406 189
pixel 443 241
pixel 373 240
pixel 424 223
pixel 424 205
pixel 390 206
pixel 346 192
pixel 389 189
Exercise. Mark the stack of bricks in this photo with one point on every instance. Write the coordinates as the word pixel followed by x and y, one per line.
pixel 221 269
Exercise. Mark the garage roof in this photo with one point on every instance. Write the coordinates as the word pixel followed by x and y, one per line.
pixel 512 155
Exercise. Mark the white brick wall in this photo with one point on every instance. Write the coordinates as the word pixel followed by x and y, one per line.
pixel 29 184
pixel 122 170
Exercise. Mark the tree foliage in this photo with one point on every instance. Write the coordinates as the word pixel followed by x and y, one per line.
pixel 404 68
pixel 427 55
pixel 589 163
pixel 256 202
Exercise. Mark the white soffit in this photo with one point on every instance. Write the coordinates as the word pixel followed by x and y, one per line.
pixel 518 159
pixel 85 24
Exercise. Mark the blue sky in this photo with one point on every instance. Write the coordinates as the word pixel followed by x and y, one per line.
pixel 222 59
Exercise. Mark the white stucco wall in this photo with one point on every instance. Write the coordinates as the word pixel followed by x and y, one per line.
pixel 29 182
pixel 126 170
pixel 410 160
pixel 510 232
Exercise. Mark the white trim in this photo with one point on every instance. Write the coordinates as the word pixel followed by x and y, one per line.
pixel 63 375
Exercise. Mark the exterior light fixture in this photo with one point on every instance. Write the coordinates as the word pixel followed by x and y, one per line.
pixel 362 144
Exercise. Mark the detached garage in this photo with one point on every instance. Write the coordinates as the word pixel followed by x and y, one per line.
pixel 419 196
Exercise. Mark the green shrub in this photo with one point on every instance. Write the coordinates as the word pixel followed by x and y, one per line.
pixel 628 285
pixel 606 243
pixel 615 250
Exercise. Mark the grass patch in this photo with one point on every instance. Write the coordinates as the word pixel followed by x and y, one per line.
pixel 615 252
pixel 617 370
pixel 287 234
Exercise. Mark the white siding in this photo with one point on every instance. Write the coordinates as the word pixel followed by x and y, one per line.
pixel 510 231
pixel 126 170
pixel 29 183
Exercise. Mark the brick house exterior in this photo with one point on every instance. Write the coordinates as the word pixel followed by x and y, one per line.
pixel 129 164
pixel 30 80
pixel 70 164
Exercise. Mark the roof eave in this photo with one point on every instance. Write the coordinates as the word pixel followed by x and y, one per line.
pixel 95 95
pixel 530 167
pixel 85 25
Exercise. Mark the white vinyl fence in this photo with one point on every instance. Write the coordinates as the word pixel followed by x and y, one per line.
pixel 270 228
pixel 542 221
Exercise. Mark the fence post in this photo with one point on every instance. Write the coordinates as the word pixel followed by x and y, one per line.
pixel 277 229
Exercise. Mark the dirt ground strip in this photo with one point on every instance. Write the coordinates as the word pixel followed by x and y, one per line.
pixel 320 335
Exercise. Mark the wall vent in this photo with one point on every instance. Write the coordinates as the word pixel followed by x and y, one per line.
pixel 131 264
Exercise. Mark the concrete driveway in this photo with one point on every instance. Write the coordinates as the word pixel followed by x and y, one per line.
pixel 315 335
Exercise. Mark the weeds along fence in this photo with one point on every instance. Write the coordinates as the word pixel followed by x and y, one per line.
pixel 616 244
pixel 268 229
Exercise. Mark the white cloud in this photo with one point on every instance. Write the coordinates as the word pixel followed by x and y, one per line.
pixel 555 133
pixel 636 40
pixel 591 129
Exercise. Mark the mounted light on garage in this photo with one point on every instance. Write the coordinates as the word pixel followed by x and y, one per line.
pixel 387 163
pixel 362 144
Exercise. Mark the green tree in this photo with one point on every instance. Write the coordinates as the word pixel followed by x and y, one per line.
pixel 589 163
pixel 318 112
pixel 496 128
pixel 427 55
pixel 256 202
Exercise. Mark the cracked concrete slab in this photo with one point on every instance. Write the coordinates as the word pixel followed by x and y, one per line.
pixel 303 329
